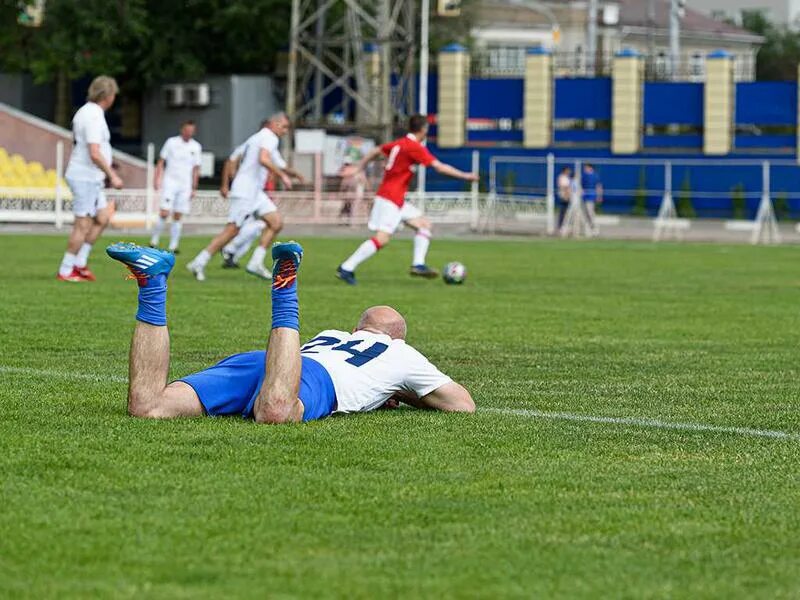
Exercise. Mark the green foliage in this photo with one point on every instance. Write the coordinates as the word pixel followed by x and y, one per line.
pixel 145 41
pixel 509 181
pixel 781 205
pixel 640 198
pixel 779 56
pixel 409 503
pixel 684 206
pixel 738 202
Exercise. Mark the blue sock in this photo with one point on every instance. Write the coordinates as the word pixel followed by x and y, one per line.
pixel 153 300
pixel 285 307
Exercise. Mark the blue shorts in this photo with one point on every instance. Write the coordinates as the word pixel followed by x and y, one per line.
pixel 231 386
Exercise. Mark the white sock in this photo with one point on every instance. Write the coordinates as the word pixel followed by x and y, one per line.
pixel 83 255
pixel 66 264
pixel 201 260
pixel 157 229
pixel 257 260
pixel 421 242
pixel 362 253
pixel 175 234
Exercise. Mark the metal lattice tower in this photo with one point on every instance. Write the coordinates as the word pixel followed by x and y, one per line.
pixel 364 48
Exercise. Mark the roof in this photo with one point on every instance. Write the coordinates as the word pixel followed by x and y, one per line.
pixel 633 13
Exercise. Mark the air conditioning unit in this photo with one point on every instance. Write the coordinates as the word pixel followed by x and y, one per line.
pixel 449 8
pixel 197 94
pixel 174 96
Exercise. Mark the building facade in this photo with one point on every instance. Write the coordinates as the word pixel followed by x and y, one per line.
pixel 503 30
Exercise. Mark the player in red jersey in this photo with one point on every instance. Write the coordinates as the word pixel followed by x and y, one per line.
pixel 390 207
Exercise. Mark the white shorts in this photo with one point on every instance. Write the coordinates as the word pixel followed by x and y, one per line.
pixel 88 197
pixel 176 199
pixel 264 205
pixel 386 216
pixel 239 210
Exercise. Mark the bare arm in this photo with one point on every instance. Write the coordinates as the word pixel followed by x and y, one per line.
pixel 265 159
pixel 195 179
pixel 159 174
pixel 451 171
pixel 97 159
pixel 451 397
pixel 294 173
pixel 371 155
pixel 228 172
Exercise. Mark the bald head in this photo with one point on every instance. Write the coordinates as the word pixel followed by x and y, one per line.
pixel 383 319
pixel 279 124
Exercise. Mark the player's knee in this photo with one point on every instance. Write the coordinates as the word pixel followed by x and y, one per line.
pixel 144 406
pixel 276 223
pixel 177 216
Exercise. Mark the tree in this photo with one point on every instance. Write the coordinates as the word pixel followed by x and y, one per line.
pixel 779 56
pixel 142 42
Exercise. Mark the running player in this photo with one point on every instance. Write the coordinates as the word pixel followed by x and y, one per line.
pixel 257 160
pixel 182 154
pixel 336 372
pixel 89 166
pixel 390 207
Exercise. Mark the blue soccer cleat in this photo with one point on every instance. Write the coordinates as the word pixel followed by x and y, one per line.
pixel 142 262
pixel 347 276
pixel 423 271
pixel 287 257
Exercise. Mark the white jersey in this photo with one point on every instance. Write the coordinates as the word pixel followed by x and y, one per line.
pixel 252 175
pixel 88 127
pixel 368 368
pixel 277 158
pixel 181 158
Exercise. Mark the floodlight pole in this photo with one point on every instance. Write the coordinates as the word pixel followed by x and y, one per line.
pixel 424 56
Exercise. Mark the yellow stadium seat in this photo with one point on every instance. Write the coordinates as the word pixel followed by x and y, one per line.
pixel 17 159
pixel 35 168
pixel 3 153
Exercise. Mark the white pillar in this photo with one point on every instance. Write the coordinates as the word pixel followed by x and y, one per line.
pixel 424 53
pixel 475 191
pixel 149 196
pixel 551 193
pixel 59 191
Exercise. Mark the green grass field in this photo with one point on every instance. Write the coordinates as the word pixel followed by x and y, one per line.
pixel 407 503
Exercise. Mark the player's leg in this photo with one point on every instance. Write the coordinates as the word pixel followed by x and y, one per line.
pixel 175 232
pixel 591 215
pixel 237 215
pixel 277 400
pixel 383 220
pixel 422 241
pixel 273 225
pixel 198 264
pixel 158 226
pixel 243 242
pixel 149 395
pixel 80 228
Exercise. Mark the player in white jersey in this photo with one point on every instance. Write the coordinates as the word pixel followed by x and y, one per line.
pixel 177 182
pixel 89 165
pixel 335 372
pixel 258 158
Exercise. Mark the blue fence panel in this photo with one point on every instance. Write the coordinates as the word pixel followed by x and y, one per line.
pixel 583 98
pixel 496 98
pixel 667 103
pixel 582 136
pixel 495 135
pixel 766 103
pixel 680 141
pixel 765 141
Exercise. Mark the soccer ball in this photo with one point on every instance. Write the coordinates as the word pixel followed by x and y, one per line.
pixel 454 272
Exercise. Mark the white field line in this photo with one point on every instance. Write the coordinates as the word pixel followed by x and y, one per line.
pixel 642 423
pixel 515 412
pixel 56 374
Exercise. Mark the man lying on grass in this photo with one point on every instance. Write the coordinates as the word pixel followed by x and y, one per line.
pixel 336 372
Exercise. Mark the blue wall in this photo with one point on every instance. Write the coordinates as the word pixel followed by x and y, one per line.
pixel 766 114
